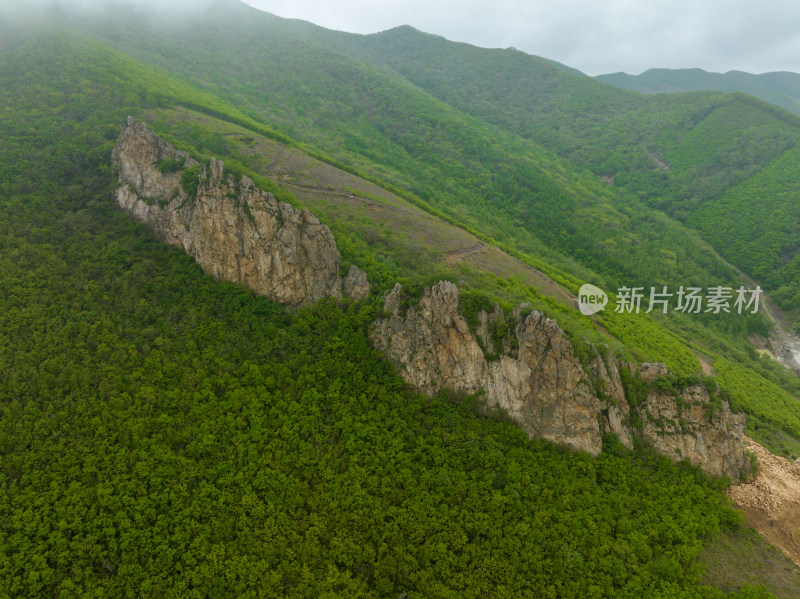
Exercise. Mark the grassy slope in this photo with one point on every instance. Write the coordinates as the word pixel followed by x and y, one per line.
pixel 674 152
pixel 510 188
pixel 741 557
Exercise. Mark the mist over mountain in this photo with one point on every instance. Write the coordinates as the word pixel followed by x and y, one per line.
pixel 592 37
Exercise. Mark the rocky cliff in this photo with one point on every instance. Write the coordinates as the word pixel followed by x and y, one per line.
pixel 534 375
pixel 523 363
pixel 233 230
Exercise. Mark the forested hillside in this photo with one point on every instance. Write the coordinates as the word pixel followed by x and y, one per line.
pixel 534 176
pixel 781 88
pixel 163 434
pixel 674 152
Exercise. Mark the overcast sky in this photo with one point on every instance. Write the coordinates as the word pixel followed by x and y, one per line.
pixel 591 35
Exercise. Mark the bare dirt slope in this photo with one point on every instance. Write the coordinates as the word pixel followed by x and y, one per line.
pixel 772 500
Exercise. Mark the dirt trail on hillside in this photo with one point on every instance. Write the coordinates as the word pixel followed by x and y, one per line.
pixel 772 501
pixel 458 255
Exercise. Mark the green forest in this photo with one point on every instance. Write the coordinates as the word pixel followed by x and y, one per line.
pixel 781 88
pixel 163 434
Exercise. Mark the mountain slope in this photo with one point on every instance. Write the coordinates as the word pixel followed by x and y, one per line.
pixel 779 88
pixel 423 250
pixel 165 434
pixel 510 187
pixel 498 184
pixel 671 152
pixel 359 115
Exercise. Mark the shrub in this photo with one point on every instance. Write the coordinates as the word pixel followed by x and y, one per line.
pixel 190 180
pixel 170 165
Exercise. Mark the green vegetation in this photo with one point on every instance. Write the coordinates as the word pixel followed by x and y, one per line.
pixel 162 434
pixel 493 181
pixel 739 557
pixel 780 88
pixel 755 224
pixel 170 165
pixel 500 153
pixel 767 405
pixel 190 180
pixel 165 435
pixel 725 156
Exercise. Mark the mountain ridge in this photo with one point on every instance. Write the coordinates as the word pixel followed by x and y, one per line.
pixel 781 88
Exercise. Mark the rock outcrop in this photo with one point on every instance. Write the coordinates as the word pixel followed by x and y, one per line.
pixel 533 373
pixel 234 230
pixel 523 363
pixel 355 284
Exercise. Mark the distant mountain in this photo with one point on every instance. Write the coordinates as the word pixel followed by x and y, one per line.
pixel 780 88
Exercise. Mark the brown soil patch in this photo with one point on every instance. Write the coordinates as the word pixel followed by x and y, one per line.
pixel 608 180
pixel 462 254
pixel 771 502
pixel 706 365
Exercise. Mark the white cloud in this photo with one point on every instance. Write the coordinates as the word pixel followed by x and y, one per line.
pixel 19 7
pixel 596 37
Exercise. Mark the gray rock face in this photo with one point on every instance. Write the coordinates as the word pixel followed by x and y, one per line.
pixel 693 425
pixel 537 379
pixel 355 284
pixel 234 230
pixel 240 233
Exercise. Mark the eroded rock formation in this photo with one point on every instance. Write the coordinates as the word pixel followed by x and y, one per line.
pixel 355 284
pixel 233 229
pixel 523 362
pixel 535 376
